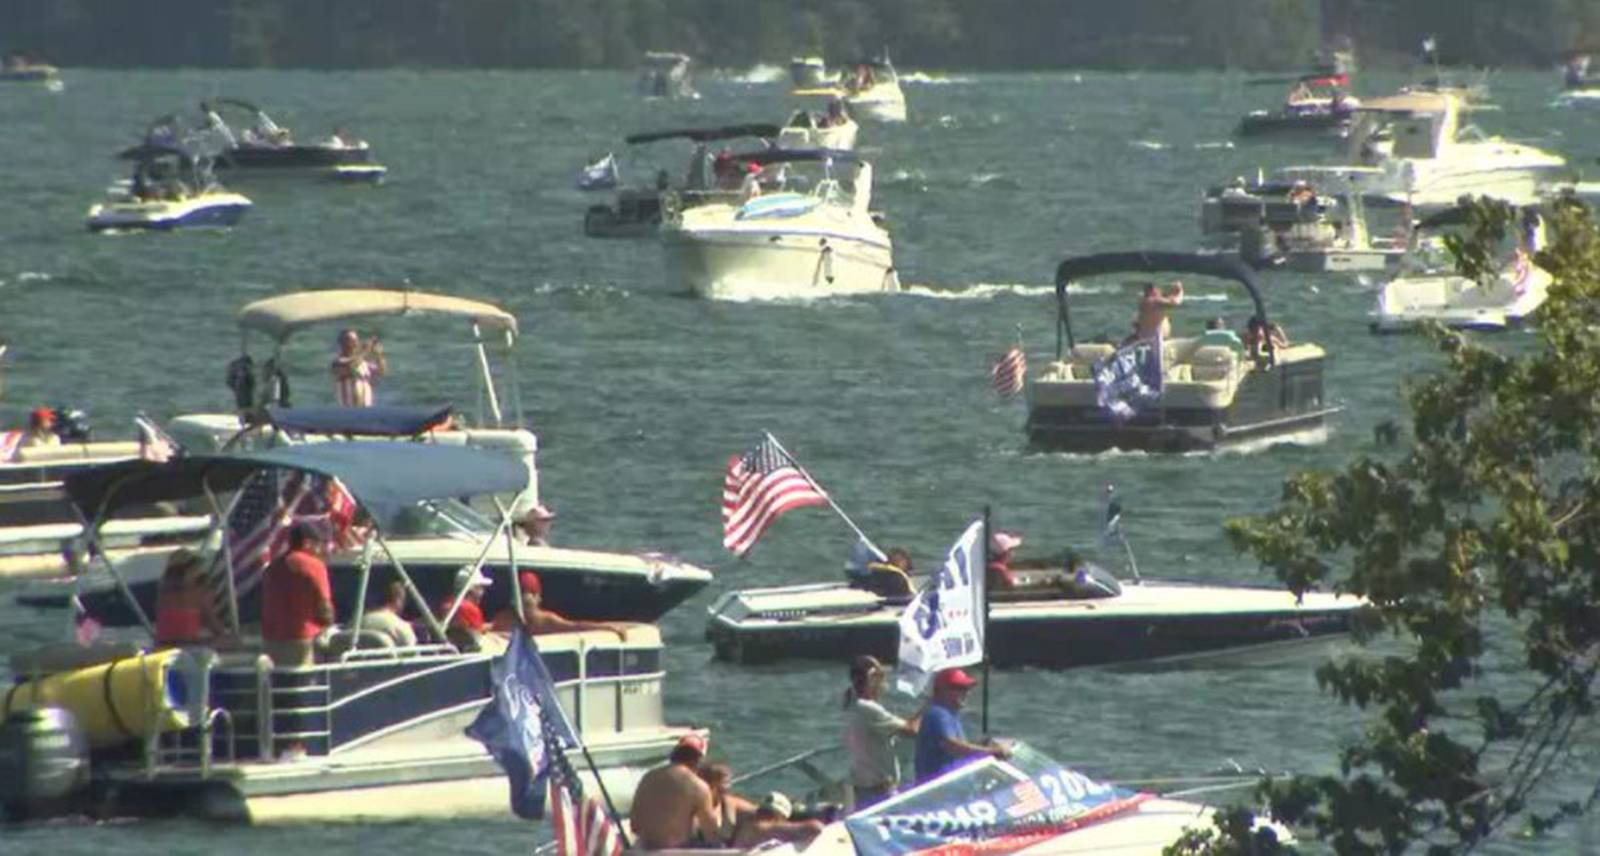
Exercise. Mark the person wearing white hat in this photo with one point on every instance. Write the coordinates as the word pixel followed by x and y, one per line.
pixel 1001 545
pixel 771 822
pixel 468 622
pixel 536 523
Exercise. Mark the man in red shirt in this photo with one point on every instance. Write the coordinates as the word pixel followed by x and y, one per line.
pixel 468 624
pixel 296 601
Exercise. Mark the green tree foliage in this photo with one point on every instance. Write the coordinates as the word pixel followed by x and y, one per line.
pixel 1479 547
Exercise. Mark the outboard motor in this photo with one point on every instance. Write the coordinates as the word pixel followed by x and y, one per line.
pixel 72 426
pixel 44 763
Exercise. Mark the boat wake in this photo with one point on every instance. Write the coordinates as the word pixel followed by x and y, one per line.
pixel 1149 145
pixel 979 291
pixel 759 73
pixel 924 79
pixel 996 180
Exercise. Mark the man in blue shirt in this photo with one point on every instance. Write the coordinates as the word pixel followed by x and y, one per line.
pixel 941 741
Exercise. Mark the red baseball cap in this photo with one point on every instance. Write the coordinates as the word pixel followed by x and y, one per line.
pixel 529 582
pixel 44 416
pixel 953 679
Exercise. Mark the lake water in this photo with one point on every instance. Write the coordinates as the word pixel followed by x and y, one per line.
pixel 639 396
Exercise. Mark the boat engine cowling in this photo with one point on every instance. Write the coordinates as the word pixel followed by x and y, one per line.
pixel 44 763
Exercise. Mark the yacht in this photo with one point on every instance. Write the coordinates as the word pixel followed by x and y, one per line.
pixel 665 74
pixel 1424 157
pixel 802 228
pixel 370 730
pixel 1197 392
pixel 171 189
pixel 833 129
pixel 637 210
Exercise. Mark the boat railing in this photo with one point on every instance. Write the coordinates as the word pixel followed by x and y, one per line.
pixel 813 765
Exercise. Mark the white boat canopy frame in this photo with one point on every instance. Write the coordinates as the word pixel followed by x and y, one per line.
pixel 280 318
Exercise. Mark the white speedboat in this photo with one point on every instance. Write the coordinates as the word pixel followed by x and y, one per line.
pixel 1500 301
pixel 171 189
pixel 1424 157
pixel 808 72
pixel 872 91
pixel 831 130
pixel 665 74
pixel 784 238
pixel 637 211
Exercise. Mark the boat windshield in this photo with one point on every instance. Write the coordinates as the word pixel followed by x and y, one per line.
pixel 449 518
pixel 1028 794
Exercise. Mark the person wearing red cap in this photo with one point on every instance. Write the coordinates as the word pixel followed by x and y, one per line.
pixel 538 620
pixel 941 741
pixel 41 429
pixel 672 806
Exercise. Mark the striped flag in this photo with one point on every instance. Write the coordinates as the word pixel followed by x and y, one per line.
pixel 1007 375
pixel 761 485
pixel 583 826
pixel 10 442
pixel 271 502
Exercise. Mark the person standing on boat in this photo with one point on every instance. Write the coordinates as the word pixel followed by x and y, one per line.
pixel 356 367
pixel 941 740
pixel 1154 307
pixel 672 804
pixel 870 731
pixel 296 600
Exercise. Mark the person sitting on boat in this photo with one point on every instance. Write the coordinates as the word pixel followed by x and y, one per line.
pixel 730 808
pixel 726 172
pixel 835 115
pixel 1300 94
pixel 296 600
pixel 1259 334
pixel 536 525
pixel 468 624
pixel 998 569
pixel 185 608
pixel 1217 334
pixel 356 368
pixel 870 731
pixel 537 620
pixel 1302 193
pixel 672 803
pixel 41 429
pixel 1154 307
pixel 891 577
pixel 387 617
pixel 772 822
pixel 941 740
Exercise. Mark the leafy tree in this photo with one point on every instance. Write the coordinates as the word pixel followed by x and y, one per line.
pixel 1478 545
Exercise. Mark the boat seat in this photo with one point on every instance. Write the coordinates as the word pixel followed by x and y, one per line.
pixel 1212 363
pixel 77 452
pixel 344 640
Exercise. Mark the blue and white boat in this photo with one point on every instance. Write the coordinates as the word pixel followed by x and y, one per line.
pixel 369 730
pixel 171 189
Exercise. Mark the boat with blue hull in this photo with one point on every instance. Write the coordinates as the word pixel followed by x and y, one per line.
pixel 171 188
pixel 369 730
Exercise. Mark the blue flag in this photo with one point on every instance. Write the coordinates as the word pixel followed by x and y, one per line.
pixel 600 175
pixel 523 724
pixel 1129 379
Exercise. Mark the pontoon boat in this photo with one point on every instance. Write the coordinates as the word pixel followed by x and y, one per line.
pixel 638 209
pixel 1206 393
pixel 802 228
pixel 369 730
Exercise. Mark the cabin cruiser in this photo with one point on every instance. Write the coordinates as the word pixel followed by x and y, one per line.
pixel 1318 104
pixel 789 235
pixel 1430 288
pixel 1423 157
pixel 171 188
pixel 1027 803
pixel 872 91
pixel 665 74
pixel 1177 394
pixel 638 209
pixel 370 728
pixel 808 72
pixel 833 129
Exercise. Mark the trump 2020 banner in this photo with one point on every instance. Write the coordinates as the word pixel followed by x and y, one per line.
pixel 942 628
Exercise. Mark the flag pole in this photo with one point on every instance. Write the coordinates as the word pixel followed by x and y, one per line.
pixel 825 495
pixel 583 747
pixel 985 566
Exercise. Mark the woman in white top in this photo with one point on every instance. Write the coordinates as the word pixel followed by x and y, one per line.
pixel 869 733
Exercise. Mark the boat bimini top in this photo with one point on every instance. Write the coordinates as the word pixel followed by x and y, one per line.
pixel 706 135
pixel 384 479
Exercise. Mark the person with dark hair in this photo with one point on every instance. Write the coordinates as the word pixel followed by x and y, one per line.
pixel 296 600
pixel 730 808
pixel 538 620
pixel 1154 307
pixel 185 612
pixel 870 731
pixel 672 805
pixel 386 617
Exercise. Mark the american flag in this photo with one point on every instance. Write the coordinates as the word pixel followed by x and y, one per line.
pixel 270 503
pixel 10 442
pixel 1007 374
pixel 1030 799
pixel 582 824
pixel 759 486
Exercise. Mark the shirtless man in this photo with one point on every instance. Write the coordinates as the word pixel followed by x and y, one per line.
pixel 672 803
pixel 1153 310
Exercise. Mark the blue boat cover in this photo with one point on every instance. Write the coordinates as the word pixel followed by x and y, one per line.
pixel 377 421
pixel 385 477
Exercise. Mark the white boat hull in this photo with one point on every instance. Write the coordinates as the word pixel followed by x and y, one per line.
pixel 208 210
pixel 1441 182
pixel 1458 302
pixel 743 263
pixel 881 103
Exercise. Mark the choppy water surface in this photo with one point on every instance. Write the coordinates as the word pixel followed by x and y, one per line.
pixel 640 396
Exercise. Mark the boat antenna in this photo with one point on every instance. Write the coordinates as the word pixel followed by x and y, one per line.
pixel 984 585
pixel 1111 530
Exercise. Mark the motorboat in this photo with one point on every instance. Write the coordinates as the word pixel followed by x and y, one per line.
pixel 1317 242
pixel 665 74
pixel 637 211
pixel 1177 394
pixel 591 583
pixel 1578 87
pixel 1317 104
pixel 1276 202
pixel 871 89
pixel 808 72
pixel 369 730
pixel 171 189
pixel 833 129
pixel 1423 157
pixel 22 68
pixel 254 145
pixel 1027 803
pixel 1430 288
pixel 803 227
pixel 1048 617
